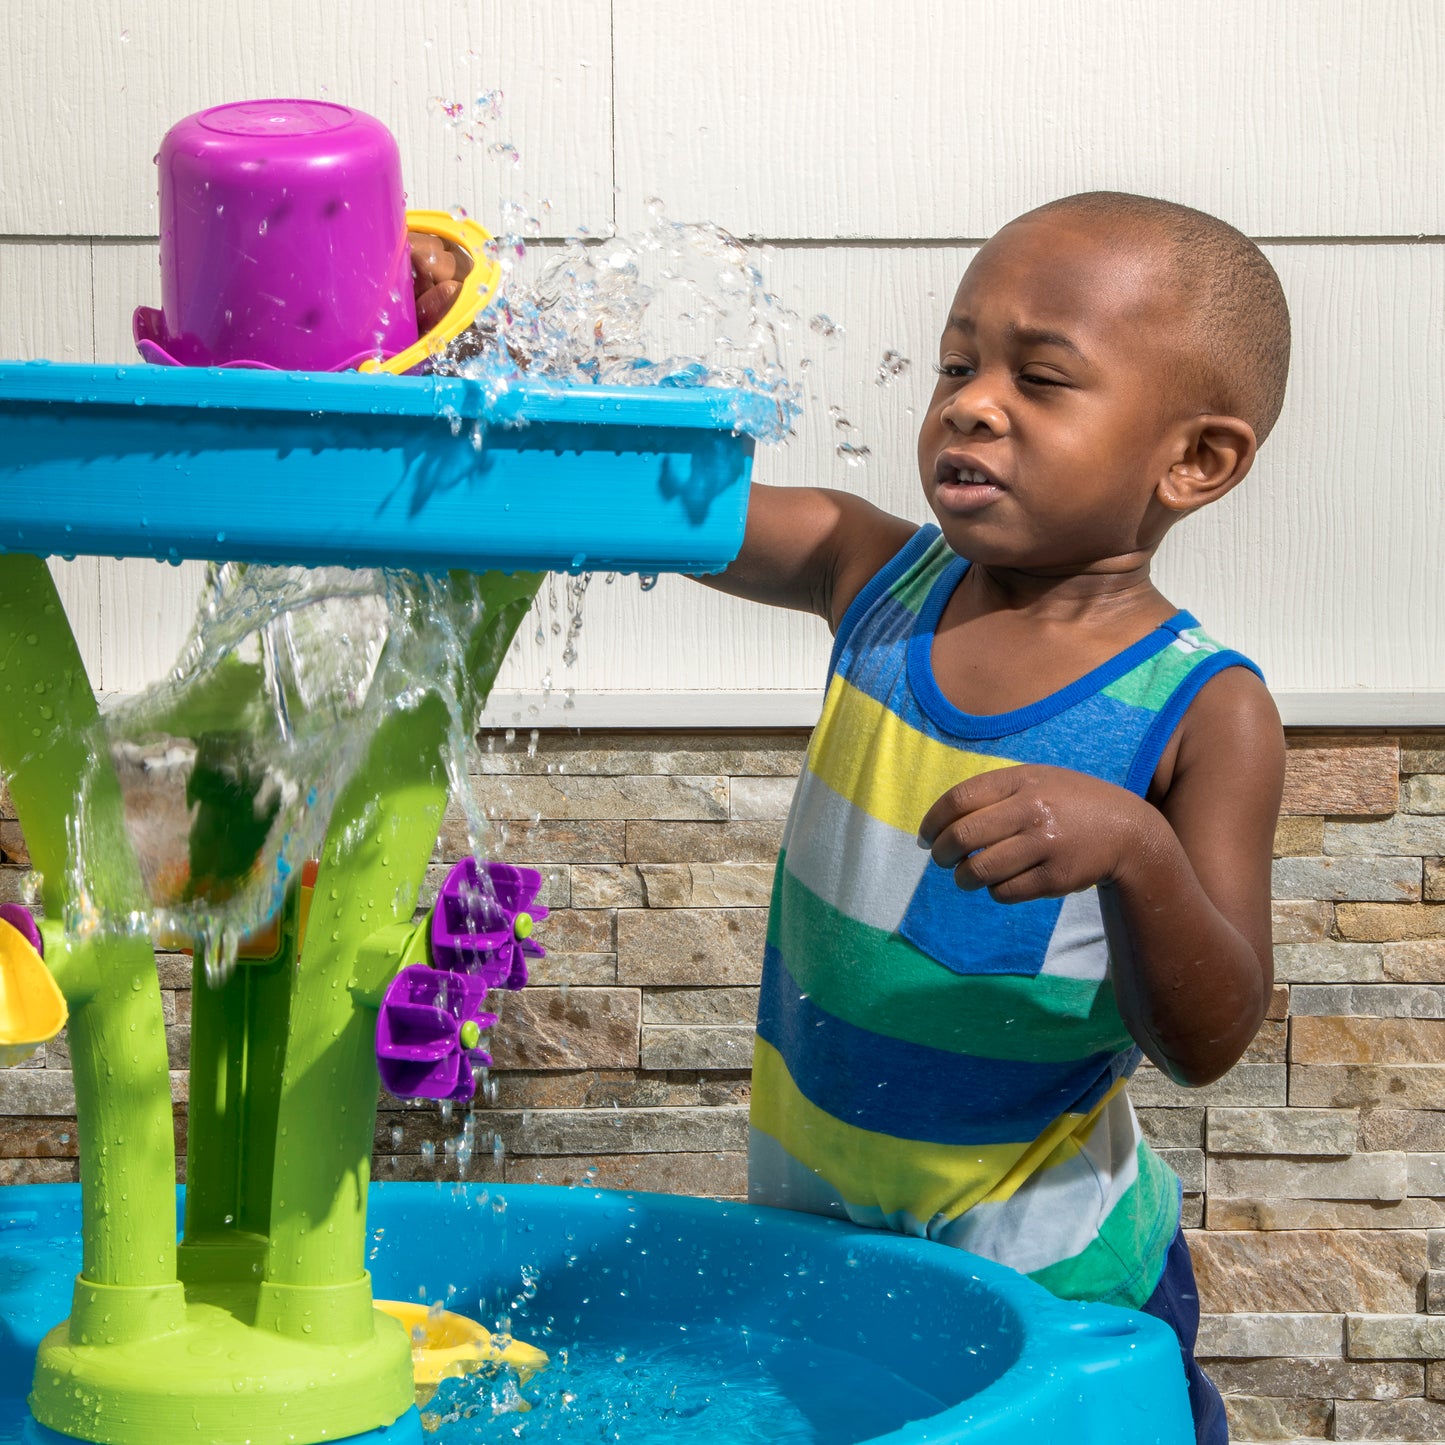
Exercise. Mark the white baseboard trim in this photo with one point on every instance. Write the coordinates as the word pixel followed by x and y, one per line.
pixel 799 709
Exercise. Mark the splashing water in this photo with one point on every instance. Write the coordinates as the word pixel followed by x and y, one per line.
pixel 674 304
pixel 230 768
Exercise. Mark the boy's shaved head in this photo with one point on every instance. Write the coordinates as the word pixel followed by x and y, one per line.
pixel 1236 355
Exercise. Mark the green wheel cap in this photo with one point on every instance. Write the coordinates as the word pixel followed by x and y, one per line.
pixel 469 1034
pixel 523 926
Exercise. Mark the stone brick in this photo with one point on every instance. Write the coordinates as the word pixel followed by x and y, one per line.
pixel 1361 1176
pixel 1405 835
pixel 1434 890
pixel 39 1171
pixel 475 1166
pixel 14 882
pixel 1278 1007
pixel 588 969
pixel 1436 1246
pixel 1244 1086
pixel 1319 1379
pixel 650 842
pixel 1367 1041
pixel 1173 1128
pixel 37 1092
pixel 706 885
pixel 715 1176
pixel 1253 1417
pixel 762 799
pixel 1188 1164
pixel 606 885
pixel 1422 962
pixel 44 1138
pixel 690 946
pixel 1351 775
pixel 1395 1337
pixel 676 797
pixel 1423 793
pixel 1328 963
pixel 1377 1000
pixel 578 930
pixel 621 1131
pixel 600 840
pixel 1426 1175
pixel 12 844
pixel 1191 1211
pixel 1389 922
pixel 1226 1213
pixel 1283 1131
pixel 1302 920
pixel 174 970
pixel 1435 1292
pixel 699 1006
pixel 1382 880
pixel 617 1088
pixel 1269 1045
pixel 1395 1420
pixel 178 1047
pixel 697 1046
pixel 622 753
pixel 1299 837
pixel 572 1028
pixel 1348 1086
pixel 1435 1380
pixel 1254 1335
pixel 1297 1270
pixel 1422 753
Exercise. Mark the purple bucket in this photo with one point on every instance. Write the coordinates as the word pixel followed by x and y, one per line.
pixel 283 240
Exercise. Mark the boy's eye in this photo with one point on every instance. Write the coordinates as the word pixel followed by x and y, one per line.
pixel 1033 378
pixel 957 370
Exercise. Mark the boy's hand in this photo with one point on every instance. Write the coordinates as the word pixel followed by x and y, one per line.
pixel 1035 832
pixel 437 274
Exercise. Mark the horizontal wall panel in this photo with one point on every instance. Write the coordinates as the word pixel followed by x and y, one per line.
pixel 87 91
pixel 938 119
pixel 1323 565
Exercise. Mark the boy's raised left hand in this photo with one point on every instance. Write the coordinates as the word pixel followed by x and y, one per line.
pixel 1033 831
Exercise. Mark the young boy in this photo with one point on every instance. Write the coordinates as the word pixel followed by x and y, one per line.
pixel 1032 838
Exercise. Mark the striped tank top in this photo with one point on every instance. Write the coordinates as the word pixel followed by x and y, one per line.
pixel 928 1060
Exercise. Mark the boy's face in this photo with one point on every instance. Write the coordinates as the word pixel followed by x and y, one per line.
pixel 1051 421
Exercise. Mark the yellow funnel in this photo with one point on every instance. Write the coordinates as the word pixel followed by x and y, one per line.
pixel 445 1346
pixel 32 1008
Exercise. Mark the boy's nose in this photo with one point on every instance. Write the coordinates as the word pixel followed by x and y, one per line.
pixel 974 406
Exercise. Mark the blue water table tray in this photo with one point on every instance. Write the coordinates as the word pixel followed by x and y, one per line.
pixel 427 472
pixel 840 1334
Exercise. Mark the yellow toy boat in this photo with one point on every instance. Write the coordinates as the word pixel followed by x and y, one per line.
pixel 446 1346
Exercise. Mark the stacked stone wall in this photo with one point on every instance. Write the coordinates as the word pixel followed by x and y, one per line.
pixel 1314 1172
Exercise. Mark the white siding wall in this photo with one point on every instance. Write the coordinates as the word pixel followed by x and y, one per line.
pixel 866 149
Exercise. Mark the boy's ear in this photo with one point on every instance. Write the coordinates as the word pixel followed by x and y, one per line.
pixel 1218 451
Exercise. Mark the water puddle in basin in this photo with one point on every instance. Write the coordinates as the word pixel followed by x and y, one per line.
pixel 709 1385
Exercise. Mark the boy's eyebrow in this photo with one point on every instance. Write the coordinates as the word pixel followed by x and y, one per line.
pixel 1029 335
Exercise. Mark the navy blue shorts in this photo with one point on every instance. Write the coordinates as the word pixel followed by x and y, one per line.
pixel 1176 1302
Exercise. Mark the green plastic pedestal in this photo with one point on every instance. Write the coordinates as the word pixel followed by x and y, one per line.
pixel 260 1327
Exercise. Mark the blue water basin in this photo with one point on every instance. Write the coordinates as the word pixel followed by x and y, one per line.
pixel 675 1318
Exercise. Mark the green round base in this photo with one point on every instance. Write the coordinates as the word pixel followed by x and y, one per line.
pixel 220 1380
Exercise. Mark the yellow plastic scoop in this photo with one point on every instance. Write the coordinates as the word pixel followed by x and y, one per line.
pixel 480 275
pixel 445 1346
pixel 32 1008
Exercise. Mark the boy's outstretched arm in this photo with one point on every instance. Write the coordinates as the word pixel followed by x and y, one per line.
pixel 1184 879
pixel 810 549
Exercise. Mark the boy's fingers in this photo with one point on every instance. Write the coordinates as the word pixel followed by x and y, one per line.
pixel 965 798
pixel 982 829
pixel 431 262
pixel 432 305
pixel 996 865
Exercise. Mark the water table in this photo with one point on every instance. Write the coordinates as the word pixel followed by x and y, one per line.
pixel 258 1325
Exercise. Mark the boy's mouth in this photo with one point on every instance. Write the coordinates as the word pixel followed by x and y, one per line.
pixel 960 485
